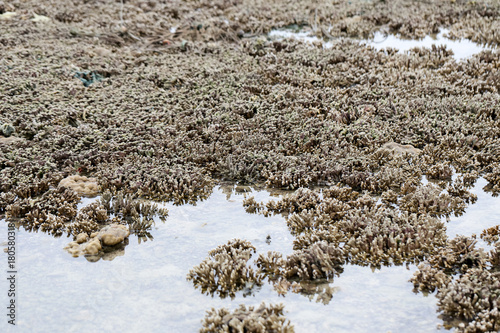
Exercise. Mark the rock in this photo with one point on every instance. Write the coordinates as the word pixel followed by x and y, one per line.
pixel 81 185
pixel 400 149
pixel 40 18
pixel 82 238
pixel 73 248
pixel 113 234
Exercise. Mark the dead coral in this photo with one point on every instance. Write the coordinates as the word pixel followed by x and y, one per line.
pixel 458 256
pixel 382 234
pixel 265 318
pixel 225 270
pixel 81 185
pixel 321 260
pixel 428 278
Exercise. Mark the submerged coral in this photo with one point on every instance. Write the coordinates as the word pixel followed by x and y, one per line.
pixel 471 296
pixel 186 94
pixel 264 318
pixel 81 185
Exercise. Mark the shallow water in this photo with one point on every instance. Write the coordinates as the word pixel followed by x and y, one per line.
pixel 462 49
pixel 146 288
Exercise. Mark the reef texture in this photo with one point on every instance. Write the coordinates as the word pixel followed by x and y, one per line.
pixel 163 100
pixel 468 283
pixel 263 319
pixel 226 271
pixel 108 243
pixel 81 185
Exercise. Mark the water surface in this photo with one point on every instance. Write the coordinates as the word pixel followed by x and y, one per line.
pixel 462 49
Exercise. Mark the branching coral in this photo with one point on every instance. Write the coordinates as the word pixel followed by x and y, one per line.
pixel 49 211
pixel 428 199
pixel 265 318
pixel 319 261
pixel 456 257
pixel 225 270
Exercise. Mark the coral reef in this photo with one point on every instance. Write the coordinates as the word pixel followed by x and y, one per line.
pixel 179 96
pixel 225 270
pixel 106 244
pixel 474 297
pixel 113 234
pixel 264 318
pixel 81 185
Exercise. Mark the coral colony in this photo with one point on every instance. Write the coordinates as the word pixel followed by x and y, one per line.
pixel 147 112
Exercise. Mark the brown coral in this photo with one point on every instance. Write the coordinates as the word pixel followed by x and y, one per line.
pixel 474 297
pixel 265 318
pixel 81 185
